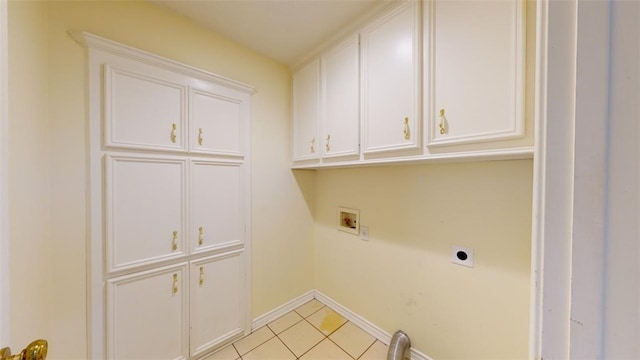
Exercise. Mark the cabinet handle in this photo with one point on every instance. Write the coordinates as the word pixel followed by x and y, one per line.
pixel 407 135
pixel 444 124
pixel 200 136
pixel 200 235
pixel 201 281
pixel 313 145
pixel 175 283
pixel 173 133
pixel 327 145
pixel 175 241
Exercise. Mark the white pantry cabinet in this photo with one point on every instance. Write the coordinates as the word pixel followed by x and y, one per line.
pixel 148 314
pixel 340 99
pixel 145 210
pixel 306 112
pixel 217 217
pixel 216 280
pixel 169 206
pixel 391 80
pixel 477 71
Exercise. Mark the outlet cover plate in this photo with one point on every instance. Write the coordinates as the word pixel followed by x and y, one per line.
pixel 462 256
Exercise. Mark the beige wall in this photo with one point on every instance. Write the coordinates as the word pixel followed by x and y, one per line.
pixel 48 164
pixel 402 278
pixel 29 177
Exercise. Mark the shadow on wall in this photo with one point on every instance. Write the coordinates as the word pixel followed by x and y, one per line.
pixel 306 180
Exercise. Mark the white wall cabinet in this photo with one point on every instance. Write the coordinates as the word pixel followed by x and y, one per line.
pixel 391 85
pixel 169 180
pixel 306 112
pixel 439 80
pixel 477 71
pixel 340 99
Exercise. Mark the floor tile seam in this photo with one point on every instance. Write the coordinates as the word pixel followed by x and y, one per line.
pixel 304 317
pixel 316 344
pixel 285 345
pixel 336 330
pixel 281 331
pixel 367 349
pixel 257 346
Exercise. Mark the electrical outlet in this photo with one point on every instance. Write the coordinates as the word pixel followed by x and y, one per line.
pixel 364 233
pixel 462 256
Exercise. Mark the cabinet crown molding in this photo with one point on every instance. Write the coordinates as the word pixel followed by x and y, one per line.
pixel 92 41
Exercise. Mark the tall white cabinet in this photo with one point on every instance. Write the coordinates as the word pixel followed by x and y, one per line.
pixel 169 225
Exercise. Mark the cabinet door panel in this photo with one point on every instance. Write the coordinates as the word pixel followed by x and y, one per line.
pixel 477 72
pixel 216 205
pixel 216 123
pixel 143 111
pixel 306 107
pixel 145 210
pixel 147 315
pixel 217 300
pixel 391 80
pixel 340 99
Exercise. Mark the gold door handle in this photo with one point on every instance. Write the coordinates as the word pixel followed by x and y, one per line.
pixel 175 283
pixel 313 145
pixel 406 132
pixel 444 124
pixel 173 133
pixel 200 136
pixel 200 235
pixel 201 281
pixel 175 241
pixel 327 144
pixel 36 350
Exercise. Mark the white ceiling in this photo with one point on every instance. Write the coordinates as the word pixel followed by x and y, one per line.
pixel 284 30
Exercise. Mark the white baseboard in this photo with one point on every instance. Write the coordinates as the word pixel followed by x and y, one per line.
pixel 268 317
pixel 358 320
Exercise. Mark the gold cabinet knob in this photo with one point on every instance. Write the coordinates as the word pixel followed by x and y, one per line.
pixel 173 133
pixel 201 281
pixel 444 124
pixel 200 136
pixel 406 132
pixel 200 235
pixel 174 245
pixel 313 145
pixel 327 147
pixel 175 283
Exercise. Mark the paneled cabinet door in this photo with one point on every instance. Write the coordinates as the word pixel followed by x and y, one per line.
pixel 216 121
pixel 217 300
pixel 143 111
pixel 306 108
pixel 216 205
pixel 391 80
pixel 147 315
pixel 478 71
pixel 145 210
pixel 340 118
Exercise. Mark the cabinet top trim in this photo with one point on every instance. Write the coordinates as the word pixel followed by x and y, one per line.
pixel 92 41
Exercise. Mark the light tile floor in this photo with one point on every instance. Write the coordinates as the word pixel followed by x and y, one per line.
pixel 312 331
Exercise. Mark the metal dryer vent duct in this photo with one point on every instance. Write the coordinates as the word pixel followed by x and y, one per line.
pixel 398 346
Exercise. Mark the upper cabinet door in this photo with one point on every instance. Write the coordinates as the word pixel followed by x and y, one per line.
pixel 391 80
pixel 145 210
pixel 216 120
pixel 477 71
pixel 217 210
pixel 144 110
pixel 340 120
pixel 306 107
